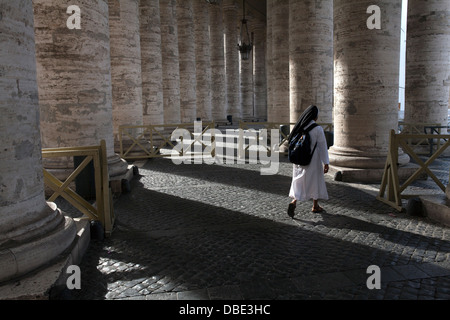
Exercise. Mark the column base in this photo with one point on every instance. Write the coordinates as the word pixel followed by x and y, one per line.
pixel 369 175
pixel 437 208
pixel 352 165
pixel 362 159
pixel 49 282
pixel 20 256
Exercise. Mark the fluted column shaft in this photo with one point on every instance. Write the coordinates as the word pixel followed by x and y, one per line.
pixel 428 64
pixel 151 63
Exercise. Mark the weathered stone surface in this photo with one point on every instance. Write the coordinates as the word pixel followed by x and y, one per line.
pixel 170 61
pixel 246 72
pixel 427 85
pixel 32 233
pixel 269 60
pixel 187 49
pixel 74 79
pixel 218 78
pixel 260 79
pixel 230 21
pixel 126 77
pixel 278 110
pixel 151 63
pixel 311 58
pixel 366 84
pixel 203 60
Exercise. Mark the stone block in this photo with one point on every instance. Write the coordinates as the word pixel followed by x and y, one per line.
pixel 437 208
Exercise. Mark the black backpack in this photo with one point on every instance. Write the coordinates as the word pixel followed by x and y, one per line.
pixel 300 147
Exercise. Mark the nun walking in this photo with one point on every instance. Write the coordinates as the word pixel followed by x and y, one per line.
pixel 308 182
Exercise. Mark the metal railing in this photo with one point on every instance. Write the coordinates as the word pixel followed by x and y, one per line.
pixel 102 209
pixel 391 189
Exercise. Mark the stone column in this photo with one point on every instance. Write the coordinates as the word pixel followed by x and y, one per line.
pixel 311 57
pixel 74 79
pixel 170 59
pixel 151 63
pixel 366 85
pixel 230 20
pixel 218 78
pixel 259 69
pixel 427 63
pixel 186 47
pixel 280 58
pixel 125 65
pixel 203 60
pixel 246 74
pixel 32 231
pixel 269 61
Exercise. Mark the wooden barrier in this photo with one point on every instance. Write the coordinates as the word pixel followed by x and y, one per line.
pixel 148 141
pixel 391 190
pixel 422 146
pixel 102 210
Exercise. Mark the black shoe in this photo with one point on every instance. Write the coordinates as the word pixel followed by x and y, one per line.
pixel 291 210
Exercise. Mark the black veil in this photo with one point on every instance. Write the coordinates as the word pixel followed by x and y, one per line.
pixel 309 114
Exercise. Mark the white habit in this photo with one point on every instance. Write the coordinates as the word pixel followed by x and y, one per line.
pixel 308 182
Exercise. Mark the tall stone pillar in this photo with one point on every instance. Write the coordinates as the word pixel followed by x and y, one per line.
pixel 311 57
pixel 230 20
pixel 269 61
pixel 366 84
pixel 218 78
pixel 259 69
pixel 280 66
pixel 125 65
pixel 74 79
pixel 203 60
pixel 32 231
pixel 151 63
pixel 427 63
pixel 246 81
pixel 186 47
pixel 171 61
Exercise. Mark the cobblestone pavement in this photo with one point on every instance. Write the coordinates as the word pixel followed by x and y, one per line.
pixel 221 232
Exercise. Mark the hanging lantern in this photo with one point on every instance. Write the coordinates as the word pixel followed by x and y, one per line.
pixel 245 44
